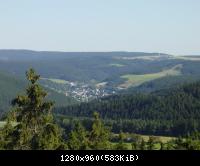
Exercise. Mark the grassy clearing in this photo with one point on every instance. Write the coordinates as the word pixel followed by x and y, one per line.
pixel 116 65
pixel 150 58
pixel 58 81
pixel 163 139
pixel 160 138
pixel 157 146
pixel 187 58
pixel 133 80
pixel 129 145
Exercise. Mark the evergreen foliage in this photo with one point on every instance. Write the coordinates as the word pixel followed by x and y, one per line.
pixel 169 112
pixel 35 127
pixel 78 138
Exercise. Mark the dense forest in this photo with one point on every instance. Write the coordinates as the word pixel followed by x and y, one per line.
pixel 168 112
pixel 80 66
pixel 89 67
pixel 11 85
pixel 30 125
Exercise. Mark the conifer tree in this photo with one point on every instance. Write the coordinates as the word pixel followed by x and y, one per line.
pixel 142 145
pixel 4 135
pixel 161 145
pixel 151 143
pixel 77 138
pixel 100 135
pixel 136 142
pixel 35 127
pixel 121 145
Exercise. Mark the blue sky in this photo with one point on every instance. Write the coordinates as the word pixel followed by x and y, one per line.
pixel 170 26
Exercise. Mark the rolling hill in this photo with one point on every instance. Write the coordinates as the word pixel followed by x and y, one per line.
pixel 174 111
pixel 85 76
pixel 10 86
pixel 136 80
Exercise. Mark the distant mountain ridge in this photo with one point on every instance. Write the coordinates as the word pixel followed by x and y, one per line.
pixel 98 74
pixel 12 53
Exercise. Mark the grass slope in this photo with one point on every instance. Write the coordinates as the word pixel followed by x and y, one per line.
pixel 133 80
pixel 58 81
pixel 187 58
pixel 162 139
pixel 116 65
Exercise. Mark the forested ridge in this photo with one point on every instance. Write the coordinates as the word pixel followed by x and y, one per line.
pixel 11 85
pixel 30 125
pixel 170 112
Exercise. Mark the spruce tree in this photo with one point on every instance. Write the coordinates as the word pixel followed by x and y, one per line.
pixel 143 145
pixel 136 142
pixel 77 138
pixel 121 145
pixel 100 135
pixel 4 135
pixel 35 127
pixel 161 145
pixel 151 143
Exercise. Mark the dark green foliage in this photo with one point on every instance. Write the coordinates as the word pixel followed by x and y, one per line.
pixel 99 135
pixel 161 146
pixel 121 145
pixel 96 66
pixel 136 142
pixel 80 66
pixel 98 138
pixel 151 143
pixel 78 138
pixel 35 128
pixel 171 112
pixel 191 142
pixel 10 86
pixel 142 145
pixel 5 133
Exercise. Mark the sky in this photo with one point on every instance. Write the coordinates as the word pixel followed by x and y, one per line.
pixel 167 26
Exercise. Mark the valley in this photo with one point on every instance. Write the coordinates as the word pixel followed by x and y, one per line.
pixel 84 92
pixel 151 99
pixel 99 75
pixel 112 83
pixel 85 76
pixel 81 92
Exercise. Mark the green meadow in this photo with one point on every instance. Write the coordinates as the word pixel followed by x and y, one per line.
pixel 133 80
pixel 116 65
pixel 58 81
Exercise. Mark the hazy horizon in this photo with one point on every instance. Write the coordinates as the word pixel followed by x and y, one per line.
pixel 170 27
pixel 10 49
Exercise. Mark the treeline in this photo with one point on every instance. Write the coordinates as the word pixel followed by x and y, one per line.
pixel 30 125
pixel 168 112
pixel 10 86
pixel 145 127
pixel 99 137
